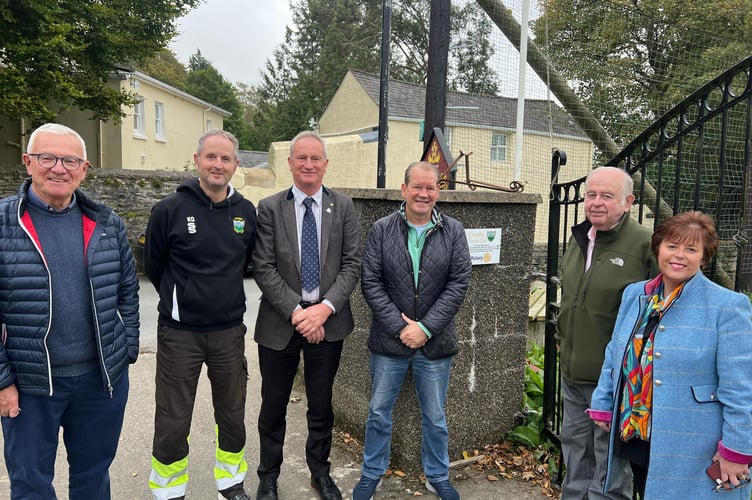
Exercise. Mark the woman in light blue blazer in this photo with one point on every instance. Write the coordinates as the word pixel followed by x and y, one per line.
pixel 675 391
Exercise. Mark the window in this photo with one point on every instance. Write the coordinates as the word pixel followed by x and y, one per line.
pixel 208 125
pixel 139 125
pixel 159 124
pixel 498 147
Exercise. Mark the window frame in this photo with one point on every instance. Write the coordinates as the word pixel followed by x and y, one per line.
pixel 159 121
pixel 498 151
pixel 139 118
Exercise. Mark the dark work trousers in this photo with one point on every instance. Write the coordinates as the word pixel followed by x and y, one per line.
pixel 180 356
pixel 278 368
pixel 91 422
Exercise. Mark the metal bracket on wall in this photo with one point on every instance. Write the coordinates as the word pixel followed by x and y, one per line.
pixel 444 180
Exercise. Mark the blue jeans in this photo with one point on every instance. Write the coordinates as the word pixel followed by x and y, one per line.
pixel 431 381
pixel 91 422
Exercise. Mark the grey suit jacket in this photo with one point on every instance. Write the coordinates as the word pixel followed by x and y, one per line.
pixel 276 265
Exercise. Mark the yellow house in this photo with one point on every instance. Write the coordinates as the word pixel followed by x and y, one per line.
pixel 158 133
pixel 481 125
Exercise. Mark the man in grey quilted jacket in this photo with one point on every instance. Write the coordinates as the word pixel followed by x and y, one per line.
pixel 415 272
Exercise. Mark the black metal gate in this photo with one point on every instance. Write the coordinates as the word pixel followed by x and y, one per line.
pixel 695 157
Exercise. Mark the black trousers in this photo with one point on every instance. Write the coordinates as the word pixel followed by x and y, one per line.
pixel 637 452
pixel 278 369
pixel 180 357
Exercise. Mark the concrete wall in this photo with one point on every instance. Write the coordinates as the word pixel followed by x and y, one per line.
pixel 487 380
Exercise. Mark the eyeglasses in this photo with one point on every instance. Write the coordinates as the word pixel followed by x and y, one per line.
pixel 727 486
pixel 48 160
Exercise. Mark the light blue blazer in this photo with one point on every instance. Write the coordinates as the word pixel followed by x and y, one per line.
pixel 702 386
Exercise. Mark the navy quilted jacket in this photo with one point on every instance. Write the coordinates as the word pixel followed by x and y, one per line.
pixel 25 295
pixel 389 287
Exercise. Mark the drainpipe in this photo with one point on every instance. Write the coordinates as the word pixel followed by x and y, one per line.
pixel 22 135
pixel 203 118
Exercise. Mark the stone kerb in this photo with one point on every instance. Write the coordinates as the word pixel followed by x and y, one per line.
pixel 487 380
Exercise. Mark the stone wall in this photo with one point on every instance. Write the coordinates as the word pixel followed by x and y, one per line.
pixel 487 380
pixel 131 193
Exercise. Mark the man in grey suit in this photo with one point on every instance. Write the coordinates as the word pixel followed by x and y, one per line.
pixel 306 263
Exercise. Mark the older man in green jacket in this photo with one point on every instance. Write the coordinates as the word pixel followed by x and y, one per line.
pixel 606 252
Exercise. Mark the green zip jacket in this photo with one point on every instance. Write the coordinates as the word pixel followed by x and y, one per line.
pixel 590 299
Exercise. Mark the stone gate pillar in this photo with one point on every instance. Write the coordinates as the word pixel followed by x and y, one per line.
pixel 487 379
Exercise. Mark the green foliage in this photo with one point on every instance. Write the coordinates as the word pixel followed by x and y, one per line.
pixel 112 182
pixel 58 55
pixel 632 60
pixel 532 402
pixel 332 36
pixel 469 70
pixel 206 83
pixel 530 433
pixel 165 67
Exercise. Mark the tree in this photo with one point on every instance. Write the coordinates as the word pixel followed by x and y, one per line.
pixel 57 55
pixel 471 49
pixel 332 36
pixel 300 79
pixel 205 82
pixel 165 67
pixel 632 60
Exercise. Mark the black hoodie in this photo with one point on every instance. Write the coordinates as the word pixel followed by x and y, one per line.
pixel 195 254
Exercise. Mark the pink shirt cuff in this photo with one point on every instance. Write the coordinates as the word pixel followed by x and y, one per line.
pixel 733 456
pixel 601 416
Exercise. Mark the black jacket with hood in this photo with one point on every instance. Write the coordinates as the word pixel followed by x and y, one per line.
pixel 196 253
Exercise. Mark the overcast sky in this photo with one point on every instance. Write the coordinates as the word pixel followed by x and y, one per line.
pixel 237 36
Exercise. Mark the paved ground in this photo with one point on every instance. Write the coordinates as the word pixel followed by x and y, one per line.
pixel 130 471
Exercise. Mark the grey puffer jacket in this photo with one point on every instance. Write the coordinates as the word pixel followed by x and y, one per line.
pixel 388 284
pixel 25 296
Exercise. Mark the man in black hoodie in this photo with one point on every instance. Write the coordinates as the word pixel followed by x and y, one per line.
pixel 198 243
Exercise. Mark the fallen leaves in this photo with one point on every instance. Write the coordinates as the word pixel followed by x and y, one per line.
pixel 496 462
pixel 508 460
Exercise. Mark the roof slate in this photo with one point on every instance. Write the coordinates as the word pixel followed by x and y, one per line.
pixel 252 158
pixel 408 100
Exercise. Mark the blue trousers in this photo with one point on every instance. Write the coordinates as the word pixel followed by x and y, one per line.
pixel 91 420
pixel 431 381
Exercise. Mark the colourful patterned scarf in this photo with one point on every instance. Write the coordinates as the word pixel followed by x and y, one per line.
pixel 637 368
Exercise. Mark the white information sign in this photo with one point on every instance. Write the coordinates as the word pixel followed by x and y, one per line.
pixel 485 245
